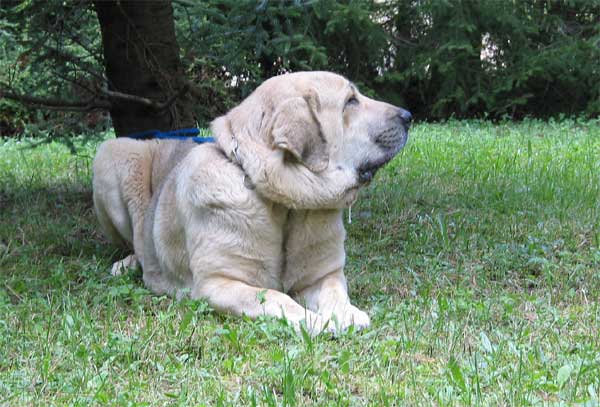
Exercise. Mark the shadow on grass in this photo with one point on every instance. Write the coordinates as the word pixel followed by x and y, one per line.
pixel 43 227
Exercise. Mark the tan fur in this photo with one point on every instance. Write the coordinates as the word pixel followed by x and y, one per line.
pixel 253 222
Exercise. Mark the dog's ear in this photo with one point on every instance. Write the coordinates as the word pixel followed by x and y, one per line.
pixel 296 129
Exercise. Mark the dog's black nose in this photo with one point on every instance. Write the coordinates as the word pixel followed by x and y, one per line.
pixel 405 116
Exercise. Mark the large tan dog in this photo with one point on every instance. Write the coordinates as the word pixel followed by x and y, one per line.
pixel 253 222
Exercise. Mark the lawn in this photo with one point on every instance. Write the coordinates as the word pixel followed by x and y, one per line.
pixel 476 252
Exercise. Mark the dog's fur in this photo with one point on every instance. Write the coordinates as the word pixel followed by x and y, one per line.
pixel 253 222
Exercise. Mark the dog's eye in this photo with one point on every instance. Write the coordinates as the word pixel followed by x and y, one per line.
pixel 353 101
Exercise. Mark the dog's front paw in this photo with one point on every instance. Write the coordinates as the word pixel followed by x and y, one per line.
pixel 347 316
pixel 314 324
pixel 357 318
pixel 122 265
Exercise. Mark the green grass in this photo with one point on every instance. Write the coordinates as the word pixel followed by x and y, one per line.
pixel 476 253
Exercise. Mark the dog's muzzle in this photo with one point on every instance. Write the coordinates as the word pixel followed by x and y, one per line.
pixel 390 141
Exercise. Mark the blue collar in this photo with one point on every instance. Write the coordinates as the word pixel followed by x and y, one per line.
pixel 181 134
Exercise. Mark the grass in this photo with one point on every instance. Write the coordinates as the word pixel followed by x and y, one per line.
pixel 476 252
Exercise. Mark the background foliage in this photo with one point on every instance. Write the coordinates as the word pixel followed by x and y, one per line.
pixel 440 59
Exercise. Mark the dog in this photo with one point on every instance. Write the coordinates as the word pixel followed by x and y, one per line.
pixel 252 223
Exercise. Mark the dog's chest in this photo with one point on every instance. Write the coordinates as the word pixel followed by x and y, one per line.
pixel 268 234
pixel 313 247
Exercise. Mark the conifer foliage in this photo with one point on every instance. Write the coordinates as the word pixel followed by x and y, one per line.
pixel 454 58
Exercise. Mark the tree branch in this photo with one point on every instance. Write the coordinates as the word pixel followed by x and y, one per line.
pixel 184 89
pixel 94 102
pixel 114 95
pixel 64 56
pixel 74 82
pixel 94 54
pixel 185 3
pixel 399 40
pixel 57 104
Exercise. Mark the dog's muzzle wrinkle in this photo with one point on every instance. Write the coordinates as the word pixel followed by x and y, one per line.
pixel 389 137
pixel 392 139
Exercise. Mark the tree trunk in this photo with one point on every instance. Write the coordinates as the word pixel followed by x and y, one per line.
pixel 141 57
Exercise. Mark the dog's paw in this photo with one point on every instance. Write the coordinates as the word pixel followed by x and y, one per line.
pixel 314 324
pixel 122 265
pixel 356 318
pixel 336 323
pixel 349 315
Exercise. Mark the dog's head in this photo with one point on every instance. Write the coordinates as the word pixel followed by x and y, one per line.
pixel 310 139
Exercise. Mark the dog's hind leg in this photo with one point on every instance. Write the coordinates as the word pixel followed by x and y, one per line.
pixel 137 207
pixel 121 266
pixel 133 261
pixel 122 190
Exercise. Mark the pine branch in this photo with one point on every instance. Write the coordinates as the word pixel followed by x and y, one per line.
pixel 64 56
pixel 114 95
pixel 57 104
pixel 96 101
